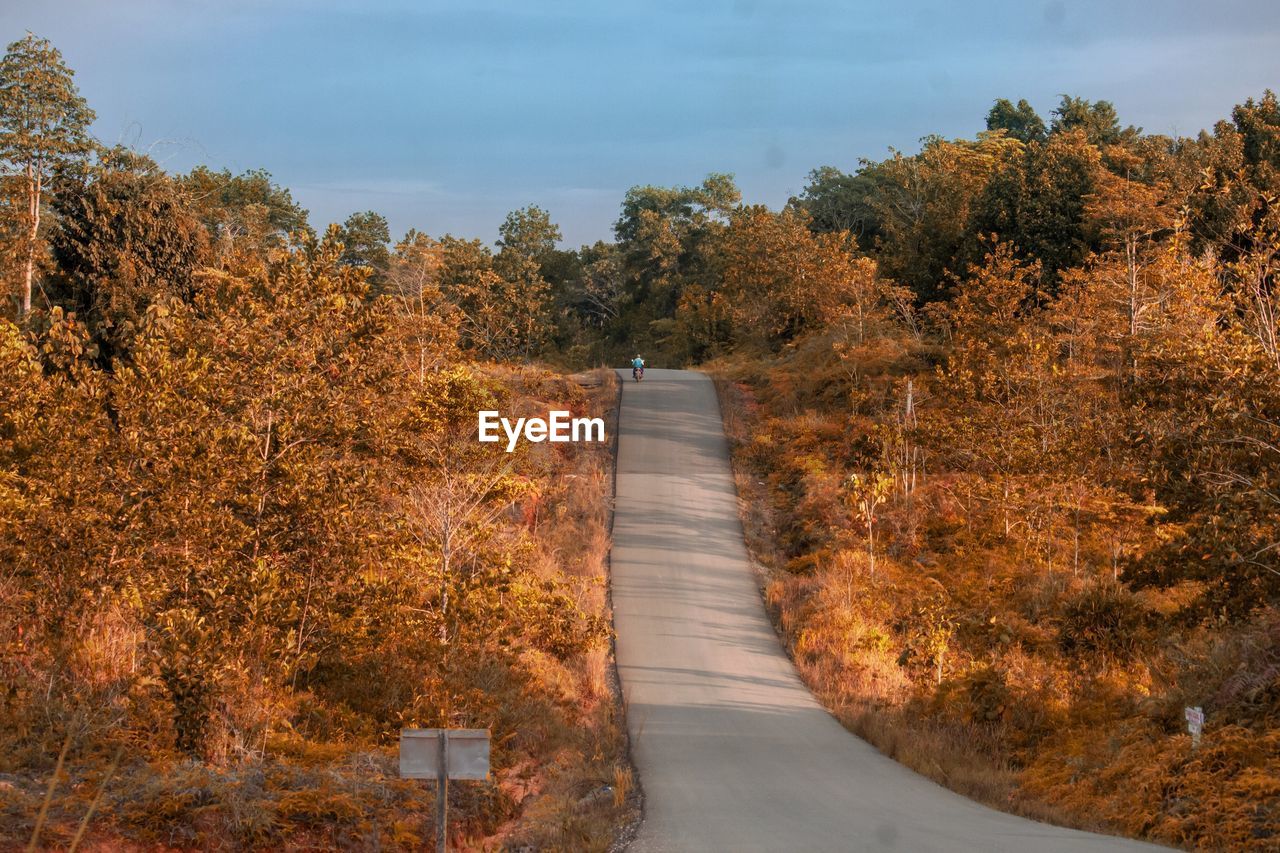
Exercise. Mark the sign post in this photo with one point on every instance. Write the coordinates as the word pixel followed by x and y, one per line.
pixel 444 754
pixel 442 790
pixel 1195 722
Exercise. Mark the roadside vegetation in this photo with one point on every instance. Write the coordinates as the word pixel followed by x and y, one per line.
pixel 246 533
pixel 1015 520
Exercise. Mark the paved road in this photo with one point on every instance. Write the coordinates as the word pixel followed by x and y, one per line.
pixel 733 753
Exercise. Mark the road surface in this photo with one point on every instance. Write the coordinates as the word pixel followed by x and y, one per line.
pixel 733 752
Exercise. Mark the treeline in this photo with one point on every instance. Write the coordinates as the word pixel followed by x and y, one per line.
pixel 1007 413
pixel 246 533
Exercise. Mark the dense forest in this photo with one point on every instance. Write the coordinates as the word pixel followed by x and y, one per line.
pixel 1006 415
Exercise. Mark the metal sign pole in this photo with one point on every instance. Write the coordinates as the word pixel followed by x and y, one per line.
pixel 442 792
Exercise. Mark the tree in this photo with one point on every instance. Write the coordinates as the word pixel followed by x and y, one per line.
pixel 1238 167
pixel 502 314
pixel 836 201
pixel 989 303
pixel 364 244
pixel 1051 220
pixel 1021 122
pixel 925 206
pixel 663 236
pixel 527 249
pixel 1098 120
pixel 43 128
pixel 692 206
pixel 779 279
pixel 451 512
pixel 125 239
pixel 246 212
pixel 1129 214
pixel 601 289
pixel 864 497
pixel 413 279
pixel 530 232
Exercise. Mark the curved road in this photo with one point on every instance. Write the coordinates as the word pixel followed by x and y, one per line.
pixel 733 752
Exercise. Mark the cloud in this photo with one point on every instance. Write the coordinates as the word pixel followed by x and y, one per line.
pixel 433 109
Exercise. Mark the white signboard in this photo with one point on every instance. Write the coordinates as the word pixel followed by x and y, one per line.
pixel 1195 720
pixel 467 751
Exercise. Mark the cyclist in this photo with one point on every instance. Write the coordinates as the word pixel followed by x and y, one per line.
pixel 637 367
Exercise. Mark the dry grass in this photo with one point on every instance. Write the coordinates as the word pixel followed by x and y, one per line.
pixel 841 651
pixel 984 656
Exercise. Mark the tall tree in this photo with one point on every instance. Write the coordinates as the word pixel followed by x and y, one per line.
pixel 503 313
pixel 530 232
pixel 925 205
pixel 779 279
pixel 663 234
pixel 837 201
pixel 43 127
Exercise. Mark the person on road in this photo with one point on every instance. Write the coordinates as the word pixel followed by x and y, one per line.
pixel 637 367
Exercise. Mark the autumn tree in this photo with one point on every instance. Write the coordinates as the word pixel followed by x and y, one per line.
pixel 662 236
pixel 925 205
pixel 44 127
pixel 600 291
pixel 413 278
pixel 503 314
pixel 124 240
pixel 779 279
pixel 1130 214
pixel 1037 203
pixel 244 214
pixel 529 232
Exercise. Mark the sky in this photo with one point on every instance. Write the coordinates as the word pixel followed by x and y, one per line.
pixel 445 116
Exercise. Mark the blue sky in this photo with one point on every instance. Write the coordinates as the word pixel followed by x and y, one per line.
pixel 444 116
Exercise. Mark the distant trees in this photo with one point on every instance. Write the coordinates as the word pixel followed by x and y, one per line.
pixel 1097 120
pixel 924 217
pixel 529 233
pixel 1021 122
pixel 1067 272
pixel 836 201
pixel 779 280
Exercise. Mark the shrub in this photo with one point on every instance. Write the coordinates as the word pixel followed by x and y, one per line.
pixel 1104 619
